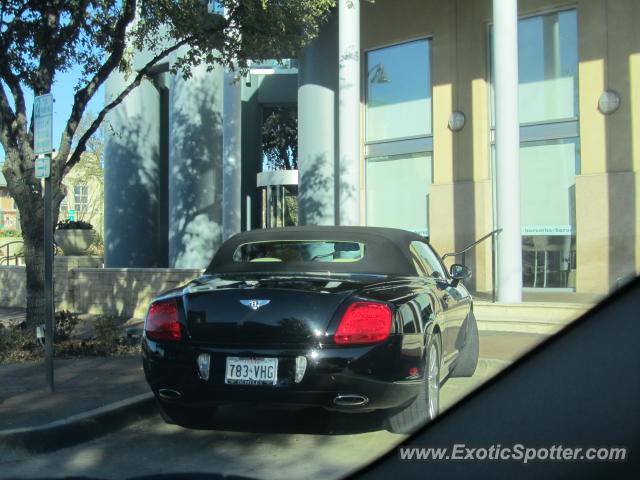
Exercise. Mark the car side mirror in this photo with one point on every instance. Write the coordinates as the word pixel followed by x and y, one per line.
pixel 458 273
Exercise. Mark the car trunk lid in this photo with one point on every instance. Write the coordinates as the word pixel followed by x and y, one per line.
pixel 264 311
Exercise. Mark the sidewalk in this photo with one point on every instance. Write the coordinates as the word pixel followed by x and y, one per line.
pixel 96 395
pixel 93 396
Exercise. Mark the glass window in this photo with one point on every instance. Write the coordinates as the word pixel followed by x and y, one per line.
pixel 429 259
pixel 299 251
pixel 397 189
pixel 81 198
pixel 550 147
pixel 547 187
pixel 548 67
pixel 398 89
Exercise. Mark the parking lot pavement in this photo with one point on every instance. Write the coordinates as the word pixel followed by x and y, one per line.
pixel 244 442
pixel 92 393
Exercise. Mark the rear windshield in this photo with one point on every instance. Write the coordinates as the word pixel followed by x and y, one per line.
pixel 299 251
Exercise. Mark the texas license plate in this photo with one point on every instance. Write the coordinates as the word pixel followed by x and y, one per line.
pixel 251 371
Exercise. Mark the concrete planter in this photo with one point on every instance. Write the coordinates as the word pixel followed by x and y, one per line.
pixel 74 242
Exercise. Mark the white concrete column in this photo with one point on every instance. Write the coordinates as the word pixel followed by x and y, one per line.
pixel 505 55
pixel 195 167
pixel 349 111
pixel 317 91
pixel 132 178
pixel 231 156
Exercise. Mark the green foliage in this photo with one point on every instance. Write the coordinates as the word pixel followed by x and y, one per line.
pixel 10 234
pixel 74 225
pixel 280 137
pixel 39 40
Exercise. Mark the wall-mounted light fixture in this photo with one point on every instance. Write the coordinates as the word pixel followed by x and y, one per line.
pixel 456 121
pixel 608 102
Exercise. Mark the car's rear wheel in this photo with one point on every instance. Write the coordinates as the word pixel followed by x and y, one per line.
pixel 188 417
pixel 425 406
pixel 468 359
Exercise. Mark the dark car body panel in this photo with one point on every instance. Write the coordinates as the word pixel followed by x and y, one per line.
pixel 301 317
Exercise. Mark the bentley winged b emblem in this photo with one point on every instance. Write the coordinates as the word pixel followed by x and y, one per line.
pixel 254 304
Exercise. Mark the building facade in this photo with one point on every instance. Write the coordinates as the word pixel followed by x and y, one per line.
pixel 450 118
pixel 8 210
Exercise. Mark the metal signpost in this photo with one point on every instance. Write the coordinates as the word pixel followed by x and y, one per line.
pixel 42 140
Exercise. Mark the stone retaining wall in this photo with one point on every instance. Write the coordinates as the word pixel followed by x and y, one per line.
pixel 82 288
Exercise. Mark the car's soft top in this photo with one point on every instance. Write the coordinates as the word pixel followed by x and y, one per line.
pixel 386 250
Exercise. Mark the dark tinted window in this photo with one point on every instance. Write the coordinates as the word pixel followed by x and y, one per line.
pixel 299 251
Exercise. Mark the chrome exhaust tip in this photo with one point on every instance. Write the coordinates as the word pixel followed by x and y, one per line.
pixel 351 400
pixel 168 394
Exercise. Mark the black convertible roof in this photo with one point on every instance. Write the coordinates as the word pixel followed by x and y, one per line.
pixel 386 250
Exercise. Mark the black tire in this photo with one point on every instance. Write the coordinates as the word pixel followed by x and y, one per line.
pixel 188 417
pixel 424 406
pixel 468 360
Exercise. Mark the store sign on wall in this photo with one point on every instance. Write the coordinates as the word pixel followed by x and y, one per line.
pixel 532 230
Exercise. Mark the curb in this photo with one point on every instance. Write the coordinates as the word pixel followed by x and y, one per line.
pixel 81 427
pixel 100 421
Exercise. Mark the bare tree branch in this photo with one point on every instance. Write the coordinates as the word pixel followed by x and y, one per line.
pixel 46 68
pixel 82 143
pixel 20 112
pixel 7 119
pixel 82 96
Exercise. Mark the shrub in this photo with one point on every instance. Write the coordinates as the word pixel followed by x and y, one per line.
pixel 66 322
pixel 107 329
pixel 74 225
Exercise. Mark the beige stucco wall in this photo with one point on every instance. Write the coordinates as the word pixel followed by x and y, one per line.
pixel 469 205
pixel 607 204
pixel 608 208
pixel 607 240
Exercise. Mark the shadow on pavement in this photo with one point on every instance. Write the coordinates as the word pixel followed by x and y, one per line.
pixel 315 421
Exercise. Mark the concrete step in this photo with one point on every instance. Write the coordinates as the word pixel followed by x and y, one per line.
pixel 527 317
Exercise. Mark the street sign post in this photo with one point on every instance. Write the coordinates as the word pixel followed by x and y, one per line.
pixel 43 124
pixel 43 167
pixel 42 139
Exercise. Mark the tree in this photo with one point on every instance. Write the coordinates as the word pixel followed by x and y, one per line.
pixel 280 137
pixel 87 179
pixel 41 38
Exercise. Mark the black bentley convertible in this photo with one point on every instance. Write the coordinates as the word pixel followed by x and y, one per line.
pixel 352 319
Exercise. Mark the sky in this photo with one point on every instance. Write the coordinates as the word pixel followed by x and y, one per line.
pixel 63 91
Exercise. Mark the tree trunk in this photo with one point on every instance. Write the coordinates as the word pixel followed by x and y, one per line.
pixel 28 194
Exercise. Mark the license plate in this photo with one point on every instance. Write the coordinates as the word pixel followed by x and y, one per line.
pixel 251 371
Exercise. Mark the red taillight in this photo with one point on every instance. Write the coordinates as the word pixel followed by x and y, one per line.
pixel 162 321
pixel 364 322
